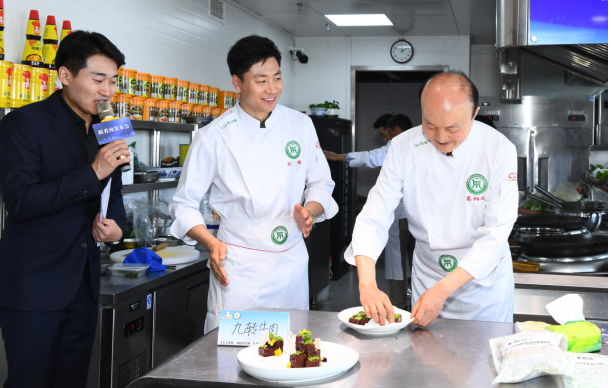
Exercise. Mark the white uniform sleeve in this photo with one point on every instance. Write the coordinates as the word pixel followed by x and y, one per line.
pixel 371 228
pixel 197 175
pixel 319 185
pixel 500 214
pixel 371 159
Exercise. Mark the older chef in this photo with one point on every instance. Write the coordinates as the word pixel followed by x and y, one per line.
pixel 258 157
pixel 457 181
pixel 400 245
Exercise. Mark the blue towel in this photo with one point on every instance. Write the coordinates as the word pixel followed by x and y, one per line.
pixel 146 256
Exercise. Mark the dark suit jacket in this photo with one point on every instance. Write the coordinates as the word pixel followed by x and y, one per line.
pixel 52 196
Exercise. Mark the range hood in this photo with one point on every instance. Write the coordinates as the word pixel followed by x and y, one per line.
pixel 517 32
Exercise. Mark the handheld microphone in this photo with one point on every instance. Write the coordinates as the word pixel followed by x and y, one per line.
pixel 106 113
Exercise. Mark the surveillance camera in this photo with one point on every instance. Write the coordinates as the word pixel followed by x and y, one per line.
pixel 302 57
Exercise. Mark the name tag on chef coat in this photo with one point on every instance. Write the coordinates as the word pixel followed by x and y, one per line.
pixel 245 328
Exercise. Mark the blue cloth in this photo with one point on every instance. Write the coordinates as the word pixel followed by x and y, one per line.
pixel 146 256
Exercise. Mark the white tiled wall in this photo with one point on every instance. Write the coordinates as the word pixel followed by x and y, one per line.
pixel 327 74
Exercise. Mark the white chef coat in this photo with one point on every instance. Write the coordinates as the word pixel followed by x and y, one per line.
pixel 257 177
pixel 460 209
pixel 392 254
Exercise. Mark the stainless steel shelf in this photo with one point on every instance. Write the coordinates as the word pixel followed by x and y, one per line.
pixel 140 187
pixel 165 127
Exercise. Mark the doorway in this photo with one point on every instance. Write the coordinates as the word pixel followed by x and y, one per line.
pixel 376 90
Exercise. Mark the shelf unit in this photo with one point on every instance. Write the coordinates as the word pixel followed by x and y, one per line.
pixel 155 129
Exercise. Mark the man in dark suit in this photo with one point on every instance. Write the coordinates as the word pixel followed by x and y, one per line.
pixel 52 172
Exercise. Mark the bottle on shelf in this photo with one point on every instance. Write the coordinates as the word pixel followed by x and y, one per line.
pixel 32 52
pixel 66 30
pixel 50 42
pixel 1 30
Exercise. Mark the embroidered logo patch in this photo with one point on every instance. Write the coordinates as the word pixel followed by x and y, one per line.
pixel 280 235
pixel 292 149
pixel 448 262
pixel 477 184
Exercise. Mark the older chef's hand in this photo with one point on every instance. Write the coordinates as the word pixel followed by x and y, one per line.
pixel 375 303
pixel 106 231
pixel 429 306
pixel 305 220
pixel 218 250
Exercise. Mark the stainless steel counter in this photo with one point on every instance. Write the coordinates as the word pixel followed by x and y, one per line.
pixel 448 353
pixel 115 290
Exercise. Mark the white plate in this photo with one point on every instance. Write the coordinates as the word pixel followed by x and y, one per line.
pixel 373 328
pixel 340 359
pixel 170 255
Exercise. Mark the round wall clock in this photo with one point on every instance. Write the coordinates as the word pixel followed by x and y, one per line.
pixel 401 51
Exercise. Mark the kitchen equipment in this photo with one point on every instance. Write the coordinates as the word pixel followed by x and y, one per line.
pixel 534 231
pixel 594 218
pixel 525 266
pixel 170 255
pixel 201 121
pixel 569 205
pixel 104 269
pixel 566 222
pixel 166 172
pixel 168 239
pixel 146 176
pixel 568 265
pixel 563 246
pixel 159 247
pixel 130 243
pixel 130 270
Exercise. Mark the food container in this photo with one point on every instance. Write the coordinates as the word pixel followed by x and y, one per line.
pixel 20 85
pixel 150 110
pixel 204 91
pixel 39 80
pixel 186 112
pixel 207 112
pixel 163 111
pixel 175 112
pixel 146 176
pixel 130 243
pixel 124 102
pixel 236 98
pixel 136 109
pixel 130 270
pixel 143 85
pixel 6 68
pixel 128 85
pixel 216 112
pixel 224 99
pixel 166 172
pixel 120 80
pixel 183 150
pixel 171 88
pixel 182 93
pixel 213 97
pixel 51 85
pixel 157 88
pixel 198 110
pixel 113 103
pixel 194 93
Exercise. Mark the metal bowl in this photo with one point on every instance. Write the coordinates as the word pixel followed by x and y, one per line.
pixel 146 176
pixel 534 231
pixel 168 239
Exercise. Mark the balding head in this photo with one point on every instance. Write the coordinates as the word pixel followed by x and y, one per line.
pixel 449 104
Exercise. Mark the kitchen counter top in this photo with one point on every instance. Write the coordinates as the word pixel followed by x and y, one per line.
pixel 573 283
pixel 115 290
pixel 447 353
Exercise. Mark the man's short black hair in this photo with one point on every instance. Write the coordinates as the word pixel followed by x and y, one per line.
pixel 77 47
pixel 399 120
pixel 381 121
pixel 471 89
pixel 248 51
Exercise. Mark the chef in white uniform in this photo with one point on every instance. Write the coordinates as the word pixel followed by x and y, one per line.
pixel 457 181
pixel 262 161
pixel 396 268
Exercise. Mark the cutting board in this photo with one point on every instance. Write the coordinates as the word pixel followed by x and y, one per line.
pixel 170 255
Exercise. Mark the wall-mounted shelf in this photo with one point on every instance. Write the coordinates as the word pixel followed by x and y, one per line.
pixel 140 187
pixel 165 127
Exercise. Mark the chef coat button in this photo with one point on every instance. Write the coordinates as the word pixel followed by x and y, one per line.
pixel 84 245
pixel 84 193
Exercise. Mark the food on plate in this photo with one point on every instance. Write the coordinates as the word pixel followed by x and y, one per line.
pixel 398 318
pixel 359 318
pixel 271 345
pixel 307 351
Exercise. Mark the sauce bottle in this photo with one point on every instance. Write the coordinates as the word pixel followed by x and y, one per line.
pixel 1 30
pixel 66 30
pixel 32 53
pixel 49 40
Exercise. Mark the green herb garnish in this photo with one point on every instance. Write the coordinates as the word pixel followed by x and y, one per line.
pixel 313 358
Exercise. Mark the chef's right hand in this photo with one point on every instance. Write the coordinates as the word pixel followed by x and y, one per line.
pixel 108 158
pixel 218 250
pixel 376 304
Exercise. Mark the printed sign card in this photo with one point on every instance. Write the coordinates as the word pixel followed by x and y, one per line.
pixel 113 130
pixel 245 328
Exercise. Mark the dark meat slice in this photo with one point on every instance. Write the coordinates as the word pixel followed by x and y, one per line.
pixel 266 352
pixel 309 349
pixel 298 345
pixel 313 363
pixel 298 361
pixel 279 345
pixel 362 321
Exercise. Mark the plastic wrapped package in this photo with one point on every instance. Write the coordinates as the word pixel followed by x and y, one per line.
pixel 143 217
pixel 591 371
pixel 567 192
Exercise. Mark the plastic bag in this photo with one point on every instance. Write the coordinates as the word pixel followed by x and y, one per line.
pixel 138 212
pixel 529 354
pixel 591 371
pixel 567 192
pixel 132 147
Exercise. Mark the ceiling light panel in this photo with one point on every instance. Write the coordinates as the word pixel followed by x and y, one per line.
pixel 359 20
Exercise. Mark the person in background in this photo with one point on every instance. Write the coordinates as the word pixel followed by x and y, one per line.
pixel 52 173
pixel 400 246
pixel 270 183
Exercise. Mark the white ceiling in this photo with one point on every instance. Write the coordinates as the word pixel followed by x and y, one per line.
pixel 476 18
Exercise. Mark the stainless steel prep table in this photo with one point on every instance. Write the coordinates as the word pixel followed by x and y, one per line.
pixel 448 353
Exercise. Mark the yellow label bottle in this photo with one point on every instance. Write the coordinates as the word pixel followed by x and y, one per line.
pixel 49 39
pixel 66 30
pixel 32 52
pixel 1 30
